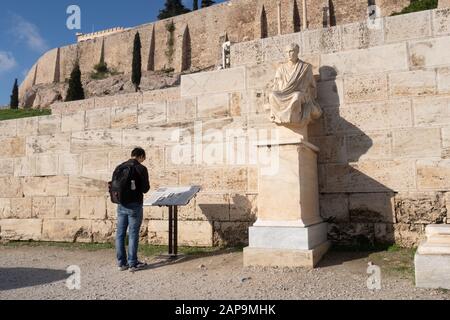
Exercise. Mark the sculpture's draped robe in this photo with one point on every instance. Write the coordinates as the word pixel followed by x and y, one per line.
pixel 293 100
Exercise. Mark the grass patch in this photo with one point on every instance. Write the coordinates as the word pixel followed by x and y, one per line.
pixel 145 250
pixel 396 261
pixel 8 114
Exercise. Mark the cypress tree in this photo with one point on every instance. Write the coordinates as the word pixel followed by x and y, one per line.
pixel 195 5
pixel 136 73
pixel 14 104
pixel 75 91
pixel 172 8
pixel 207 3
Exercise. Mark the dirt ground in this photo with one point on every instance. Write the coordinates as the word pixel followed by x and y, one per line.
pixel 39 272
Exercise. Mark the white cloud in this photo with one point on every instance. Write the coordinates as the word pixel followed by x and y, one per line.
pixel 25 31
pixel 7 61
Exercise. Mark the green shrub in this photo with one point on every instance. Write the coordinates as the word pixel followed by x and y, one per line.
pixel 418 5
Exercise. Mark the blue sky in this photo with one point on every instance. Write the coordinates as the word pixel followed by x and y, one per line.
pixel 29 28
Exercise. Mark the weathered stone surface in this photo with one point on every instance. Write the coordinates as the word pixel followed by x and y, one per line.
pixel 156 96
pixel 433 111
pixel 433 174
pixel 80 186
pixel 406 27
pixel 25 167
pixel 408 235
pixel 45 186
pixel 373 60
pixel 93 208
pixel 429 53
pixel 370 176
pixel 213 106
pixel 261 76
pixel 366 88
pixel 181 110
pixel 54 144
pixel 249 52
pixel 27 126
pixel 49 124
pixel 69 164
pixel 443 80
pixel 332 149
pixel 228 80
pixel 330 93
pixel 95 140
pixel 235 179
pixel 191 233
pixel 420 208
pixel 231 233
pixel 46 165
pixel 165 178
pixel 10 187
pixel 353 234
pixel 6 167
pixel 12 147
pixel 334 207
pixel 273 49
pixel 43 207
pixel 213 207
pixel 146 135
pixel 432 271
pixel 73 121
pixel 124 117
pixel 369 116
pixel 413 83
pixel 111 209
pixel 98 119
pixel 118 100
pixel 67 108
pixel 8 128
pixel 21 229
pixel 67 230
pixel 21 208
pixel 103 231
pixel 441 19
pixel 5 208
pixel 372 207
pixel 359 35
pixel 152 113
pixel 322 40
pixel 417 143
pixel 157 213
pixel 95 164
pixel 243 207
pixel 369 146
pixel 67 208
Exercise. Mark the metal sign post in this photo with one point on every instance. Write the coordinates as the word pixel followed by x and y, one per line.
pixel 172 198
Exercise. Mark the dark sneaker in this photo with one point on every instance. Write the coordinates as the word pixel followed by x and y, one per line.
pixel 138 266
pixel 123 268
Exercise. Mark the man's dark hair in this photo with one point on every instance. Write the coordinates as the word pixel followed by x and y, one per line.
pixel 138 153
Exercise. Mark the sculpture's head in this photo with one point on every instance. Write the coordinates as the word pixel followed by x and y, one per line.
pixel 292 52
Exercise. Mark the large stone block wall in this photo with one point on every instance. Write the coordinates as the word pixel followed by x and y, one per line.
pixel 384 140
pixel 383 137
pixel 197 38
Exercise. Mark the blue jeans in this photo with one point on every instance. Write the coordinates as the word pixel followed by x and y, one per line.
pixel 129 217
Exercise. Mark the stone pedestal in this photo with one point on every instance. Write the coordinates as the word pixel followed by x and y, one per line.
pixel 289 231
pixel 432 260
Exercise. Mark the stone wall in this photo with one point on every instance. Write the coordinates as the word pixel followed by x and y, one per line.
pixel 384 139
pixel 197 37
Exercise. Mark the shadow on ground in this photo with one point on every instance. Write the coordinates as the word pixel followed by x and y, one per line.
pixel 17 278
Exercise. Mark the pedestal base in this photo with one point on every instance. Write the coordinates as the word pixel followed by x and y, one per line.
pixel 284 257
pixel 286 246
pixel 432 260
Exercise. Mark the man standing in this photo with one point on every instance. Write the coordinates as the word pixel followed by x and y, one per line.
pixel 130 211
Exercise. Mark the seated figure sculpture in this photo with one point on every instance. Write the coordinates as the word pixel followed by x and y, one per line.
pixel 293 101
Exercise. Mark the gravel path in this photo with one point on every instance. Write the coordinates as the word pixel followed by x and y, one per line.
pixel 40 273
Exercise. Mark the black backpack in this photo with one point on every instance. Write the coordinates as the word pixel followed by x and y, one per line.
pixel 121 182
